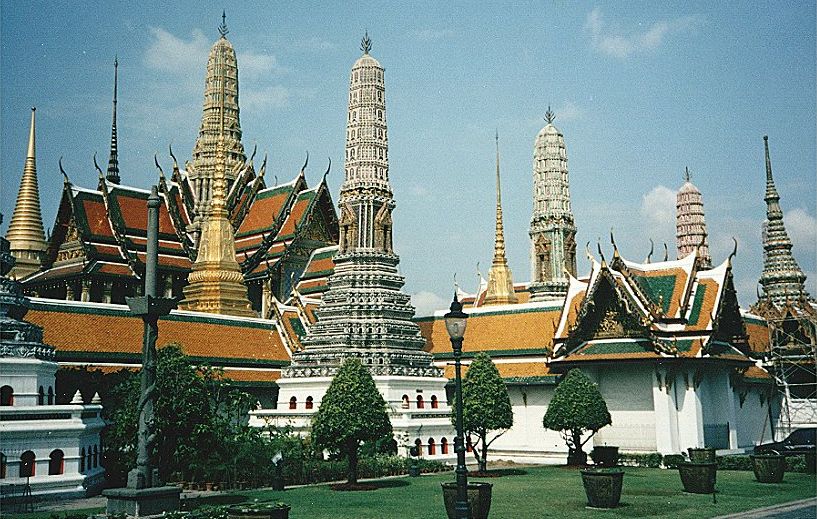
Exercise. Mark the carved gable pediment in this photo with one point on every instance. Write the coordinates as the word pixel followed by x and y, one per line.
pixel 607 315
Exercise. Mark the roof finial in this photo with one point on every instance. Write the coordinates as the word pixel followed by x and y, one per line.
pixel 222 29
pixel 686 174
pixel 550 116
pixel 366 43
pixel 113 157
pixel 652 249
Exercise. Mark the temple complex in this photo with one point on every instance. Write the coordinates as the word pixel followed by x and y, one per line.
pixel 25 233
pixel 552 229
pixel 690 224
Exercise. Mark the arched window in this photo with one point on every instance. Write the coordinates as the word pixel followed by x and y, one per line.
pixel 56 462
pixel 88 459
pixel 309 402
pixel 405 402
pixel 41 396
pixel 6 396
pixel 444 445
pixel 27 464
pixel 293 403
pixel 50 395
pixel 420 403
pixel 432 448
pixel 82 460
pixel 3 464
pixel 434 402
pixel 419 444
pixel 96 456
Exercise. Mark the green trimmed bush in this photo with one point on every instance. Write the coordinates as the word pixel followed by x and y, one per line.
pixel 649 460
pixel 671 461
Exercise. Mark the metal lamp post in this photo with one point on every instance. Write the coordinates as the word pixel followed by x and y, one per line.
pixel 455 321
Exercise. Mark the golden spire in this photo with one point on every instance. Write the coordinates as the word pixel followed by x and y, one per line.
pixel 500 281
pixel 216 284
pixel 25 233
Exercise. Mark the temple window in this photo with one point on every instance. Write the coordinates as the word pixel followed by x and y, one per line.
pixel 434 402
pixel 309 402
pixel 432 448
pixel 420 403
pixel 405 402
pixel 6 396
pixel 3 464
pixel 419 444
pixel 96 457
pixel 82 460
pixel 56 463
pixel 50 395
pixel 444 445
pixel 293 403
pixel 27 464
pixel 41 396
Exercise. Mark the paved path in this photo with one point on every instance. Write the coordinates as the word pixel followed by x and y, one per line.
pixel 805 509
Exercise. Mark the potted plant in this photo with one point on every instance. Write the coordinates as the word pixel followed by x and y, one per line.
pixel 268 510
pixel 602 486
pixel 698 477
pixel 769 468
pixel 605 456
pixel 701 455
pixel 479 499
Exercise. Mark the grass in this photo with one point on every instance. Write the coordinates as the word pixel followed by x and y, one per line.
pixel 533 492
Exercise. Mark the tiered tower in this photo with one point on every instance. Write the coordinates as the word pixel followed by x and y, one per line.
pixel 113 160
pixel 552 228
pixel 25 232
pixel 690 224
pixel 220 82
pixel 500 280
pixel 216 284
pixel 364 313
pixel 782 278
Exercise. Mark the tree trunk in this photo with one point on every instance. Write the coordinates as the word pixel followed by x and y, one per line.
pixel 483 460
pixel 351 448
pixel 575 454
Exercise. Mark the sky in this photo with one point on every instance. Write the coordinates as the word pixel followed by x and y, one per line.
pixel 640 92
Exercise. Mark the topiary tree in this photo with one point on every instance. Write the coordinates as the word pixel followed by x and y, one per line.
pixel 486 406
pixel 577 407
pixel 351 412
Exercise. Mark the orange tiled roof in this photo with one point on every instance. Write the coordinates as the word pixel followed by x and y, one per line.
pixel 252 375
pixel 507 328
pixel 109 329
pixel 510 370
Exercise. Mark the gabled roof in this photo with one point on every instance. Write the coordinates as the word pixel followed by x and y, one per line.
pixel 315 278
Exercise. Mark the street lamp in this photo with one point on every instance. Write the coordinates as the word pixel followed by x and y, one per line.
pixel 455 321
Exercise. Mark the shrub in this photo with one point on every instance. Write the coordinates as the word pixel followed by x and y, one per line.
pixel 649 460
pixel 671 461
pixel 576 408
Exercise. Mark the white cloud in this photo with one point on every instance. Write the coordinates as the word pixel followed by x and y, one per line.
pixel 568 111
pixel 432 34
pixel 169 53
pixel 427 302
pixel 314 43
pixel 252 65
pixel 256 100
pixel 802 228
pixel 658 214
pixel 610 39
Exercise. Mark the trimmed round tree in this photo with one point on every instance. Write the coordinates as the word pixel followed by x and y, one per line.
pixel 486 406
pixel 352 411
pixel 576 408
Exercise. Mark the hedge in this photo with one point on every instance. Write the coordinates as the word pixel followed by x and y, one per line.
pixel 731 462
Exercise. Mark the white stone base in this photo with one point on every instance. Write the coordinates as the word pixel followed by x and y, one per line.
pixel 409 421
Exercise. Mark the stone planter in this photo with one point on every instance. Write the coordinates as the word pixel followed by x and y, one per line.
pixel 698 478
pixel 260 511
pixel 811 463
pixel 769 468
pixel 605 456
pixel 602 487
pixel 701 455
pixel 479 499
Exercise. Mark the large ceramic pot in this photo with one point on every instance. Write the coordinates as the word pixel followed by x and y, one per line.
pixel 769 468
pixel 602 487
pixel 811 463
pixel 479 499
pixel 605 456
pixel 698 478
pixel 259 511
pixel 701 455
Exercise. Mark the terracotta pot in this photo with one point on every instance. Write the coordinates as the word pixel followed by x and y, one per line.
pixel 701 455
pixel 602 487
pixel 479 499
pixel 605 456
pixel 698 478
pixel 769 468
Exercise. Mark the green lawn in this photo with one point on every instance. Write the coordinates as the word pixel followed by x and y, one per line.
pixel 538 492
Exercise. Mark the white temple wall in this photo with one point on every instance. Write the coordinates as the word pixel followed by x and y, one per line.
pixel 26 376
pixel 627 389
pixel 753 424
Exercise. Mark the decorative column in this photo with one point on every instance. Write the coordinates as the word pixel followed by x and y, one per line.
pixel 500 280
pixel 145 494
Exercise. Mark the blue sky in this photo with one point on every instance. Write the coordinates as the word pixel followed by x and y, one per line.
pixel 639 92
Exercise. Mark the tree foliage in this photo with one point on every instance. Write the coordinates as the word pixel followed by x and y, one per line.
pixel 352 411
pixel 576 408
pixel 486 406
